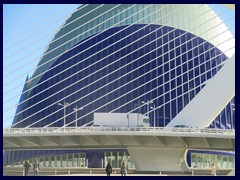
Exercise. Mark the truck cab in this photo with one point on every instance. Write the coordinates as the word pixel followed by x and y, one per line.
pixel 145 122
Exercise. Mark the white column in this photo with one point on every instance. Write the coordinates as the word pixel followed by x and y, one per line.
pixel 158 158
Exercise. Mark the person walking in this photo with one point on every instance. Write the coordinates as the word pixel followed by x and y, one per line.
pixel 108 169
pixel 123 169
pixel 214 169
pixel 26 165
pixel 36 168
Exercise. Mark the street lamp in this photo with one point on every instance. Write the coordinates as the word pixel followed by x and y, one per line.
pixel 154 115
pixel 64 107
pixel 148 103
pixel 138 106
pixel 76 109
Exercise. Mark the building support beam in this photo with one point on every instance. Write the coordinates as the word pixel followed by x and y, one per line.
pixel 212 99
pixel 157 158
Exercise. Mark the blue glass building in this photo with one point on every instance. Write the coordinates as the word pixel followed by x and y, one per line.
pixel 113 58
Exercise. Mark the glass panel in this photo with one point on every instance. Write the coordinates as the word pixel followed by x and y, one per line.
pixel 219 161
pixel 225 162
pixel 41 162
pixel 52 161
pixel 200 161
pixel 120 158
pixel 46 161
pixel 64 160
pixel 194 160
pixel 114 159
pixel 82 160
pixel 58 161
pixel 206 162
pixel 107 157
pixel 231 162
pixel 70 159
pixel 213 158
pixel 75 161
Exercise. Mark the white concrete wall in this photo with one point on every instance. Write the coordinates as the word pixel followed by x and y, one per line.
pixel 156 159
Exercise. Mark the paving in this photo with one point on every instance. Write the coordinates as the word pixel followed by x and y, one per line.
pixel 18 171
pixel 84 174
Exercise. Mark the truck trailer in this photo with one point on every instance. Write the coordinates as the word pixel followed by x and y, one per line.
pixel 120 120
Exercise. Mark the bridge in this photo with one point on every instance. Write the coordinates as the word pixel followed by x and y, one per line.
pixel 117 137
pixel 149 147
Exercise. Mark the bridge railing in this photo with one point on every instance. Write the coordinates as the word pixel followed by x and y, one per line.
pixel 8 131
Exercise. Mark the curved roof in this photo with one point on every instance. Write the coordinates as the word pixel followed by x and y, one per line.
pixel 90 19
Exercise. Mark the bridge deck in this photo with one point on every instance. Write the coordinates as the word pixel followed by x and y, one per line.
pixel 117 137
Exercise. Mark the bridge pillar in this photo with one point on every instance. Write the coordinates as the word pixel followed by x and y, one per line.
pixel 159 159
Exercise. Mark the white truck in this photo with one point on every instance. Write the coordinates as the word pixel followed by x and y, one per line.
pixel 120 120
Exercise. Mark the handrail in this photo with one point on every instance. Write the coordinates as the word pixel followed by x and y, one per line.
pixel 8 131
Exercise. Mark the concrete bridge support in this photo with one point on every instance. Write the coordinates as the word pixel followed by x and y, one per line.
pixel 159 159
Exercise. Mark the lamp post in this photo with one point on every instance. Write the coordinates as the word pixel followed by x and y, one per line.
pixel 128 119
pixel 76 109
pixel 154 115
pixel 148 104
pixel 64 107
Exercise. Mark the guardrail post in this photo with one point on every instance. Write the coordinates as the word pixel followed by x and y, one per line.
pixel 23 172
pixel 69 171
pixel 55 172
pixel 192 172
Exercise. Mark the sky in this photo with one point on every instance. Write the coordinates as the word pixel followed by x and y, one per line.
pixel 27 30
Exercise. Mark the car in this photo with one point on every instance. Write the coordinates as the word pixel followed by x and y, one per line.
pixel 96 125
pixel 181 126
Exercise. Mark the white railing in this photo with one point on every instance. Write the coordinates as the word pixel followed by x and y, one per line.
pixel 9 131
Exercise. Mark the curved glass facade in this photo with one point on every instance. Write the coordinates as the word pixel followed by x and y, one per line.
pixel 204 159
pixel 140 62
pixel 115 69
pixel 93 18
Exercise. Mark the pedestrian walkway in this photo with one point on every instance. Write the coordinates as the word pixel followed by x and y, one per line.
pixel 18 171
pixel 113 175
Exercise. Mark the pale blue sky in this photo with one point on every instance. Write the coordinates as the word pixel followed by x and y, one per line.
pixel 27 30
